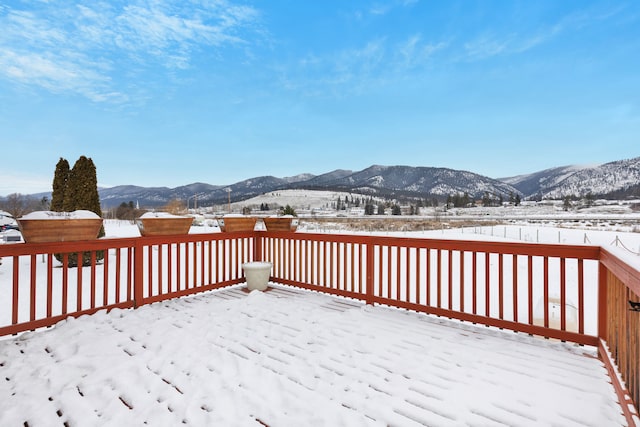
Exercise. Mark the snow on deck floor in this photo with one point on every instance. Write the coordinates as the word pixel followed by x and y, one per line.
pixel 285 358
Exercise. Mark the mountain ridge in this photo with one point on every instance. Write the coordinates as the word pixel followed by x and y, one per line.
pixel 620 178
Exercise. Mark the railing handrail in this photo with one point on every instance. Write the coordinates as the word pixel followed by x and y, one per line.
pixel 621 269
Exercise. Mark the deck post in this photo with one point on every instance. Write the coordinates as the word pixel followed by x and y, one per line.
pixel 369 279
pixel 138 276
pixel 602 301
pixel 257 246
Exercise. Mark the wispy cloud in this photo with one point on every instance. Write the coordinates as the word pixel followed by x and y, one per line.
pixel 384 7
pixel 376 62
pixel 490 44
pixel 414 52
pixel 80 48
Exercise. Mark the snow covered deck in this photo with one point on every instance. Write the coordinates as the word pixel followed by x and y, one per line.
pixel 293 357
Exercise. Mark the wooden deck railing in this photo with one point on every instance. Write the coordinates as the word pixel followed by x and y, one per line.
pixel 573 293
pixel 578 294
pixel 134 271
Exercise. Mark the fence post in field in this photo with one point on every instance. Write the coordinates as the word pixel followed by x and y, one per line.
pixel 138 275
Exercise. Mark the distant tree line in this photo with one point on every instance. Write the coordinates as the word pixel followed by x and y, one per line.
pixel 18 205
pixel 128 211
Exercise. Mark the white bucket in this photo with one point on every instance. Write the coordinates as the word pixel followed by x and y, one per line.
pixel 257 274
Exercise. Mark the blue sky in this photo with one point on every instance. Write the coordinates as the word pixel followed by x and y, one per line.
pixel 167 93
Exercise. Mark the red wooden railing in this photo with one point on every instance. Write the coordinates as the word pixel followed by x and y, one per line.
pixel 573 293
pixel 538 289
pixel 134 271
pixel 619 330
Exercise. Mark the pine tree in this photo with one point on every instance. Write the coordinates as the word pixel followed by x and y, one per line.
pixel 288 210
pixel 368 209
pixel 60 179
pixel 81 193
pixel 82 188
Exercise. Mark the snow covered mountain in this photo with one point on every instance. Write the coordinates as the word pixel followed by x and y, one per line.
pixel 380 181
pixel 394 181
pixel 619 177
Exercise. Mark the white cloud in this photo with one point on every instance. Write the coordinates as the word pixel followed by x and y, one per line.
pixel 414 52
pixel 382 8
pixel 79 48
pixel 517 41
pixel 486 46
pixel 375 63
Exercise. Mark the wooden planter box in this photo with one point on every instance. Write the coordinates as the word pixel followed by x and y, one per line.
pixel 282 223
pixel 237 223
pixel 164 226
pixel 59 230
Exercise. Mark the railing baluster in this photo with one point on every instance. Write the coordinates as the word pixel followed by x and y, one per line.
pixel 407 284
pixel 324 264
pixel 204 262
pixel 514 282
pixel 331 283
pixel 93 280
pixel 161 286
pixel 428 278
pixel 474 282
pixel 149 269
pixel 171 284
pixel 16 289
pixel 354 268
pixel 461 281
pixel 50 285
pixel 79 269
pixel 187 270
pixel 439 278
pixel 530 287
pixel 105 278
pixel 398 267
pixel 487 285
pixel 65 281
pixel 180 267
pixel 563 295
pixel 290 261
pixel 418 275
pixel 358 284
pixel 131 276
pixel 195 265
pixel 388 265
pixel 33 293
pixel 545 275
pixel 450 277
pixel 500 286
pixel 119 274
pixel 580 296
pixel 315 262
pixel 342 266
